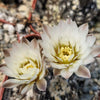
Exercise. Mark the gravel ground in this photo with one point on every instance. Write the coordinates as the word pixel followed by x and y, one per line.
pixel 48 13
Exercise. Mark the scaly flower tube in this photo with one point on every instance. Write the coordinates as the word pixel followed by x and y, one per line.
pixel 69 48
pixel 25 65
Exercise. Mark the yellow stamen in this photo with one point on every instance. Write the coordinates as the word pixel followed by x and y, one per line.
pixel 65 53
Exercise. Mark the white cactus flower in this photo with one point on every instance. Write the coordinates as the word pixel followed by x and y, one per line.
pixel 69 48
pixel 25 65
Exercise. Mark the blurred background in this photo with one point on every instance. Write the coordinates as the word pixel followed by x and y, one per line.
pixel 50 12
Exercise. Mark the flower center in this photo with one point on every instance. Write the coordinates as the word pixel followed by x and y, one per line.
pixel 28 66
pixel 65 53
pixel 25 67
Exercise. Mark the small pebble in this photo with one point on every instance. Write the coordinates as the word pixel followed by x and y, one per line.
pixel 3 16
pixel 19 27
pixel 11 19
pixel 6 38
pixel 91 92
pixel 24 10
pixel 15 89
pixel 17 99
pixel 68 89
pixel 9 28
pixel 86 89
pixel 95 88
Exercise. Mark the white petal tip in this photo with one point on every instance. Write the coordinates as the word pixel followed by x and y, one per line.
pixel 64 73
pixel 83 72
pixel 42 85
pixel 95 50
pixel 84 27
